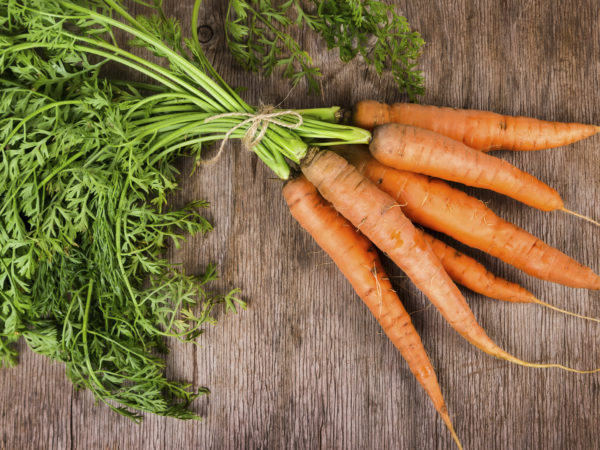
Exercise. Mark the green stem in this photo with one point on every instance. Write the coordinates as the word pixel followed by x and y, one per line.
pixel 69 161
pixel 206 100
pixel 115 58
pixel 36 113
pixel 210 85
pixel 139 85
pixel 125 348
pixel 158 97
pixel 324 114
pixel 84 340
pixel 204 60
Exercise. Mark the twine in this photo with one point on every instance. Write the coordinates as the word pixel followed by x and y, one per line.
pixel 259 123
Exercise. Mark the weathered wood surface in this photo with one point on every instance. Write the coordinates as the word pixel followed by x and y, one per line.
pixel 306 366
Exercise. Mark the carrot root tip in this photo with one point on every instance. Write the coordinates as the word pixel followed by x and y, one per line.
pixel 564 311
pixel 520 362
pixel 581 216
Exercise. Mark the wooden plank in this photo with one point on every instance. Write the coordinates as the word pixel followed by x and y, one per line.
pixel 306 366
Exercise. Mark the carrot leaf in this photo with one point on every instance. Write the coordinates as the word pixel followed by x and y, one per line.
pixel 259 37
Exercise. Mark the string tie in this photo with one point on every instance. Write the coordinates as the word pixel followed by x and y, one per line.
pixel 259 124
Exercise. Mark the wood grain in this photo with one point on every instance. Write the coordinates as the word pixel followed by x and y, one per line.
pixel 306 366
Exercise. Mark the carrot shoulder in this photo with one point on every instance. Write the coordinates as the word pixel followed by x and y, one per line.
pixel 357 259
pixel 482 130
pixel 436 205
pixel 417 150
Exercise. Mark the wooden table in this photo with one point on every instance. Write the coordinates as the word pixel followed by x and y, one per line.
pixel 306 365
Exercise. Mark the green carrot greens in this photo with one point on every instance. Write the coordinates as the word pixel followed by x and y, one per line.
pixel 257 33
pixel 86 166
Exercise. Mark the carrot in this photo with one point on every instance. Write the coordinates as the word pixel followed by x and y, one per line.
pixel 471 274
pixel 417 150
pixel 466 271
pixel 357 259
pixel 381 220
pixel 482 130
pixel 436 205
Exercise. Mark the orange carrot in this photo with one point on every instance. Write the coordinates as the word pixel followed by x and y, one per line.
pixel 417 150
pixel 467 272
pixel 380 218
pixel 482 130
pixel 357 259
pixel 436 205
pixel 471 274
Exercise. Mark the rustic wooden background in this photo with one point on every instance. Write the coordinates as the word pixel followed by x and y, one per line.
pixel 306 366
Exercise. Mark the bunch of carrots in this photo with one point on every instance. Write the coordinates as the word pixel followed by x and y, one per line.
pixel 353 201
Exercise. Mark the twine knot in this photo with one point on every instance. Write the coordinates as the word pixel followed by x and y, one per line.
pixel 259 124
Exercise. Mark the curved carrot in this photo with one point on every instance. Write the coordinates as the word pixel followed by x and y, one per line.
pixel 417 150
pixel 473 275
pixel 467 272
pixel 357 259
pixel 436 205
pixel 380 218
pixel 482 130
